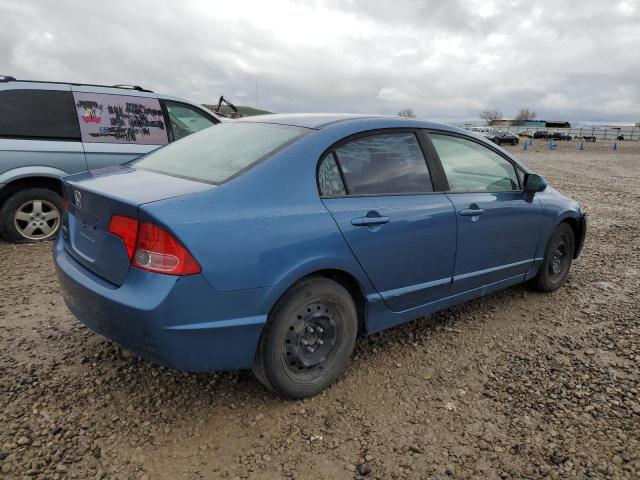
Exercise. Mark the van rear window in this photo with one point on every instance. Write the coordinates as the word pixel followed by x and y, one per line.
pixel 218 153
pixel 38 114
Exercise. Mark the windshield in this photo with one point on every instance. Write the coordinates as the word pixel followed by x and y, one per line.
pixel 218 153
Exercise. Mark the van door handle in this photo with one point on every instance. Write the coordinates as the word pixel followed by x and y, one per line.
pixel 471 212
pixel 368 221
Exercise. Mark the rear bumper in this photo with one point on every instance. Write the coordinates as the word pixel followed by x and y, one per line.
pixel 178 322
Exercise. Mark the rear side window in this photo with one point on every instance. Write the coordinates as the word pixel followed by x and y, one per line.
pixel 384 164
pixel 329 178
pixel 471 167
pixel 106 118
pixel 214 155
pixel 39 114
pixel 186 120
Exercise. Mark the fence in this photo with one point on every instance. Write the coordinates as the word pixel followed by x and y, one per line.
pixel 601 133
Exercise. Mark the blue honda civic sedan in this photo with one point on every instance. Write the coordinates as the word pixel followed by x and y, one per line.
pixel 273 242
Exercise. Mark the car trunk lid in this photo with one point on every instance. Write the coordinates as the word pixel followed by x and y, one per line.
pixel 93 198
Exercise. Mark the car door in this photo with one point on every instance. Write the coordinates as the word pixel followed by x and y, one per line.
pixel 117 128
pixel 498 224
pixel 378 188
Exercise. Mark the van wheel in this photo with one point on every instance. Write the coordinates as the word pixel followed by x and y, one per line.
pixel 557 260
pixel 308 339
pixel 31 215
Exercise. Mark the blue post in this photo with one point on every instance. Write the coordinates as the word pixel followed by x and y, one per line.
pixel 581 145
pixel 531 142
pixel 526 146
pixel 615 146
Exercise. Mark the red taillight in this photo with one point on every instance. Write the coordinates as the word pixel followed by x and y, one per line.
pixel 127 229
pixel 158 251
pixel 65 204
pixel 152 248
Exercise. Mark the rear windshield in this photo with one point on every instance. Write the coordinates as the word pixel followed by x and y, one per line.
pixel 220 152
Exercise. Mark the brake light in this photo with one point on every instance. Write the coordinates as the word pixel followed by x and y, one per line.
pixel 152 248
pixel 127 229
pixel 65 204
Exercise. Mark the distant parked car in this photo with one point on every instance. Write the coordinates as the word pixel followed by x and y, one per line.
pixel 559 136
pixel 272 242
pixel 52 129
pixel 590 138
pixel 483 131
pixel 524 133
pixel 540 134
pixel 503 138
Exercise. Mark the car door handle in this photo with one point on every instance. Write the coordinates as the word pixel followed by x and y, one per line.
pixel 471 212
pixel 368 221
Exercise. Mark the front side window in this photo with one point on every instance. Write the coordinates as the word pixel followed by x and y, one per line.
pixel 384 164
pixel 214 155
pixel 471 167
pixel 39 114
pixel 186 120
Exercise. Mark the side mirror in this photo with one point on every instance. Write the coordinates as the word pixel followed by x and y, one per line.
pixel 534 183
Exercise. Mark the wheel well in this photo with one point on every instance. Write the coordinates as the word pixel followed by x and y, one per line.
pixel 577 233
pixel 352 285
pixel 30 182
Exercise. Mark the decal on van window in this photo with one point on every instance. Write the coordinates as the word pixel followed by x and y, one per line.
pixel 108 118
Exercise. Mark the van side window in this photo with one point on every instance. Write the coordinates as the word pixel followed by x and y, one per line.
pixel 38 114
pixel 106 118
pixel 186 120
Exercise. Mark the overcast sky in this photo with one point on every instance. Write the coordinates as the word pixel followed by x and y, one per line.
pixel 448 60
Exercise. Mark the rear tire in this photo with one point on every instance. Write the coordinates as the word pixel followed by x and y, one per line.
pixel 557 260
pixel 308 339
pixel 31 215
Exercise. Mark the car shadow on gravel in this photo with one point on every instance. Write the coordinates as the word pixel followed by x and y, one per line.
pixel 233 387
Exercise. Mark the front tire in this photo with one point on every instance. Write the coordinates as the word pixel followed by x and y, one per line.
pixel 557 260
pixel 31 215
pixel 308 339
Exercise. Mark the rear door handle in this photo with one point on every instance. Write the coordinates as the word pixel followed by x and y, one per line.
pixel 368 221
pixel 471 212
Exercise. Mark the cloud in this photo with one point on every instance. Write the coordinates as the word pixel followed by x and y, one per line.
pixel 446 60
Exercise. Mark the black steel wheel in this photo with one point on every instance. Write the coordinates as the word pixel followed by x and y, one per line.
pixel 557 259
pixel 308 338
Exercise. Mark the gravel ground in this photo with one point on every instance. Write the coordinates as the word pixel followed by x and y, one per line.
pixel 514 385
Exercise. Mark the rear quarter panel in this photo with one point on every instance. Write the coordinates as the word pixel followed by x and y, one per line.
pixel 20 158
pixel 264 228
pixel 48 158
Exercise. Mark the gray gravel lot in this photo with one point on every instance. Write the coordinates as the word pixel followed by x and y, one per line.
pixel 515 385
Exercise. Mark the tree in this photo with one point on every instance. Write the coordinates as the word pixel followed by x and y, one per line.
pixel 525 114
pixel 490 116
pixel 407 112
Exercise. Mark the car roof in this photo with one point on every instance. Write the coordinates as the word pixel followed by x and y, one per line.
pixel 319 121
